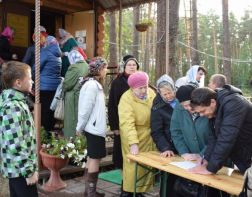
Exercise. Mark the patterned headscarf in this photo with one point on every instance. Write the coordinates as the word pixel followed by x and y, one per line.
pixel 95 65
pixel 8 32
pixel 74 56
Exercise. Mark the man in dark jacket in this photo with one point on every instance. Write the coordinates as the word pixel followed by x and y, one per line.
pixel 231 117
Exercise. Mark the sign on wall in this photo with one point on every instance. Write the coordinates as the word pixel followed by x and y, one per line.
pixel 20 25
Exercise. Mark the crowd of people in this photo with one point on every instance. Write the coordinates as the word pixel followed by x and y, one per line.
pixel 210 125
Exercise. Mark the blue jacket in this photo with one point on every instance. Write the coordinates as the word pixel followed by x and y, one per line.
pixel 29 57
pixel 50 67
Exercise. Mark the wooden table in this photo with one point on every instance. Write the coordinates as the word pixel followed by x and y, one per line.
pixel 231 184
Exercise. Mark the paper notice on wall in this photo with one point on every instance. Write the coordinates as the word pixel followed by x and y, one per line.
pixel 184 164
pixel 80 37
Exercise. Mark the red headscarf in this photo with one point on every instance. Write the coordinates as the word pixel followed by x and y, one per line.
pixel 81 51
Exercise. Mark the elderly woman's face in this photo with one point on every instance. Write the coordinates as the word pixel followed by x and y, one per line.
pixel 167 94
pixel 140 92
pixel 131 67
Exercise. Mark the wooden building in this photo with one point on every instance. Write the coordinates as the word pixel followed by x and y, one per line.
pixel 82 18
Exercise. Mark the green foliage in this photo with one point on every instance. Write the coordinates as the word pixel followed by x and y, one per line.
pixel 208 26
pixel 72 148
pixel 240 42
pixel 147 22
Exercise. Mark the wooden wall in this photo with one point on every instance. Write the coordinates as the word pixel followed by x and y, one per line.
pixel 82 21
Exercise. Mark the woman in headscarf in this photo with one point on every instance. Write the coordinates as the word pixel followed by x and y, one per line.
pixel 6 39
pixel 50 67
pixel 134 115
pixel 71 89
pixel 194 76
pixel 29 57
pixel 161 113
pixel 92 121
pixel 67 42
pixel 118 87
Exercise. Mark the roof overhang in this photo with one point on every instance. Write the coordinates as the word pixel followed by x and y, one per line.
pixel 71 6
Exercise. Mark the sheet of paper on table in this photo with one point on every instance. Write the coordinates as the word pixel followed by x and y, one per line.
pixel 184 164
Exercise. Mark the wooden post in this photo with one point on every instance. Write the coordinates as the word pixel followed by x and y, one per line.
pixel 120 32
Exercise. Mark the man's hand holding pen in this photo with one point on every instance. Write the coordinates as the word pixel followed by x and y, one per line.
pixel 200 168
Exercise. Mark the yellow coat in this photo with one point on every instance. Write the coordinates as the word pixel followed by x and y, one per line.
pixel 134 117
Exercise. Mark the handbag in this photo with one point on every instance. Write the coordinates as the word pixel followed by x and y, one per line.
pixel 247 186
pixel 187 188
pixel 59 111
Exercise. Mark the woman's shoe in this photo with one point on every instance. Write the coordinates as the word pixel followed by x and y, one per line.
pixel 126 194
pixel 139 195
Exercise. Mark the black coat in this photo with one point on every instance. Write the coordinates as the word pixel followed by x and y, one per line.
pixel 161 114
pixel 118 87
pixel 5 48
pixel 232 131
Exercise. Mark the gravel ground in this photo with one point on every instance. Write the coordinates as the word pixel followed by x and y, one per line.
pixel 4 187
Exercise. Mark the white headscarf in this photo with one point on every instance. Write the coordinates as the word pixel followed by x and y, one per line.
pixel 74 56
pixel 190 78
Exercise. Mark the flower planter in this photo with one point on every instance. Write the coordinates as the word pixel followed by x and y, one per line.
pixel 54 164
pixel 141 27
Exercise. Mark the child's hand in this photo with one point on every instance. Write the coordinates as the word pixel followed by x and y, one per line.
pixel 33 179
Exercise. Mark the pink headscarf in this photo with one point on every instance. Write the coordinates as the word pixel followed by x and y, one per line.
pixel 8 32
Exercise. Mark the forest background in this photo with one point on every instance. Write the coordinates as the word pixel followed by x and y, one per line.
pixel 149 46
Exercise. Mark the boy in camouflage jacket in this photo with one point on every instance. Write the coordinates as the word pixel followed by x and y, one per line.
pixel 17 132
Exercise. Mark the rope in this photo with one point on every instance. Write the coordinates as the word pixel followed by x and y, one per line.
pixel 37 51
pixel 218 57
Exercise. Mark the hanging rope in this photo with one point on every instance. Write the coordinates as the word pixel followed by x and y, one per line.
pixel 37 106
pixel 218 57
pixel 37 51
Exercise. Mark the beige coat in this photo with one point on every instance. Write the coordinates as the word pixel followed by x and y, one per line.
pixel 134 117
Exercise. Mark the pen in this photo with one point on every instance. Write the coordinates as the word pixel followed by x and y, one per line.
pixel 202 160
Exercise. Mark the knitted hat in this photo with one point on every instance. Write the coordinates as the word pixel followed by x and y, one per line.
pixel 95 65
pixel 127 58
pixel 138 79
pixel 184 93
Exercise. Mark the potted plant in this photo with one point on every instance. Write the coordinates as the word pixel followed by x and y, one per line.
pixel 55 154
pixel 143 25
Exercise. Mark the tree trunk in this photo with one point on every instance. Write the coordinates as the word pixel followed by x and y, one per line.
pixel 194 54
pixel 216 67
pixel 188 31
pixel 112 40
pixel 173 29
pixel 160 50
pixel 147 44
pixel 226 41
pixel 135 48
